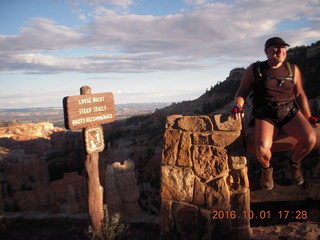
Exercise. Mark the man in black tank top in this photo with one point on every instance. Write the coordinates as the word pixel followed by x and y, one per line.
pixel 279 102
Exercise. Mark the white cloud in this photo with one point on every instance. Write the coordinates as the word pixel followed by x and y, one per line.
pixel 194 2
pixel 40 35
pixel 127 63
pixel 22 98
pixel 212 34
pixel 82 17
pixel 121 3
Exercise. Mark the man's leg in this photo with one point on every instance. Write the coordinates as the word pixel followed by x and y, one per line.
pixel 300 129
pixel 265 132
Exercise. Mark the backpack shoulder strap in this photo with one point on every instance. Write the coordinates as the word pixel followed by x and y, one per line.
pixel 258 75
pixel 290 69
pixel 291 72
pixel 258 72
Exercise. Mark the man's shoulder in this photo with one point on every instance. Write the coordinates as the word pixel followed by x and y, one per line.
pixel 293 65
pixel 258 68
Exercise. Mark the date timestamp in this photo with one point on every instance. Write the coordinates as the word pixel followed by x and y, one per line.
pixel 282 215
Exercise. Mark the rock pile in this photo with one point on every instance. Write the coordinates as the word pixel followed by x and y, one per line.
pixel 204 183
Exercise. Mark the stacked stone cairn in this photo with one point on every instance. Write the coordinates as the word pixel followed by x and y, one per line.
pixel 204 183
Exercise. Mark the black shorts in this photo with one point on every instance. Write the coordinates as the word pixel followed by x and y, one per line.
pixel 280 113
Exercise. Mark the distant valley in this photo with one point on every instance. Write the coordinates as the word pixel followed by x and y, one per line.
pixel 55 114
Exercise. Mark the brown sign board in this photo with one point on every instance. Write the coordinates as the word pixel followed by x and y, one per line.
pixel 86 110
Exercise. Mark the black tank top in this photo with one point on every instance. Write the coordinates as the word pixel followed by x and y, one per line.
pixel 273 85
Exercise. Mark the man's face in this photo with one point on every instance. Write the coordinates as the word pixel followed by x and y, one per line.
pixel 276 53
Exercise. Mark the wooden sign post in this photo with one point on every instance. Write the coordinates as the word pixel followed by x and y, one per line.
pixel 88 111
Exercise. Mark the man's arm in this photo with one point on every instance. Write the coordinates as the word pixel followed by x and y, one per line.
pixel 243 91
pixel 301 97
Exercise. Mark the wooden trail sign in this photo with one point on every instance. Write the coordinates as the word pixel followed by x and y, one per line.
pixel 89 111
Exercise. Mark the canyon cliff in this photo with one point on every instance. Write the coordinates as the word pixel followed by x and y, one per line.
pixel 42 170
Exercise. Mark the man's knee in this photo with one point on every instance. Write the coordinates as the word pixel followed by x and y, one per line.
pixel 262 148
pixel 307 142
pixel 310 140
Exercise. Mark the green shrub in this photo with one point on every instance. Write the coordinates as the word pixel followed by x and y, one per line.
pixel 111 228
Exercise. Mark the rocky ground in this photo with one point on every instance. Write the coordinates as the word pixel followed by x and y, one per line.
pixel 291 231
pixel 33 226
pixel 41 226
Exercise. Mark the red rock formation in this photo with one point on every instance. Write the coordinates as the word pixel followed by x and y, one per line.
pixel 27 152
pixel 121 189
pixel 41 170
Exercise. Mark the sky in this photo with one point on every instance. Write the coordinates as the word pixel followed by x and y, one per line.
pixel 140 50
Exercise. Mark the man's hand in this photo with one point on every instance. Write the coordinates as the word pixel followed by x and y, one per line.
pixel 314 122
pixel 237 112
